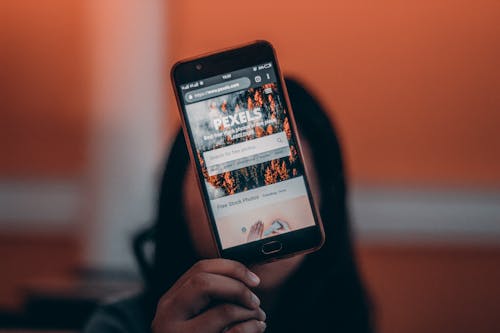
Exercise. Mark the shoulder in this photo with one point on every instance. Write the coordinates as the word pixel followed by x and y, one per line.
pixel 124 316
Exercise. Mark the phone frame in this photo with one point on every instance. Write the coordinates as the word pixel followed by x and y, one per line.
pixel 295 242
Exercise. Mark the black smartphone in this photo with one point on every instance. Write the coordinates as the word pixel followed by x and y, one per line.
pixel 244 146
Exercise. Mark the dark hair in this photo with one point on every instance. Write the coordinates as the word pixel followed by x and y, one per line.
pixel 326 293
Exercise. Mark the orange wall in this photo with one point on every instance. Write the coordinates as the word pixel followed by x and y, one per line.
pixel 43 130
pixel 43 89
pixel 414 85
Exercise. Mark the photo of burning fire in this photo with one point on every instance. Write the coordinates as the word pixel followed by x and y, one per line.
pixel 264 101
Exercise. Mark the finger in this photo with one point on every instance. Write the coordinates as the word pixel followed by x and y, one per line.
pixel 253 231
pixel 201 289
pixel 225 315
pixel 261 229
pixel 228 268
pixel 225 267
pixel 286 226
pixel 250 326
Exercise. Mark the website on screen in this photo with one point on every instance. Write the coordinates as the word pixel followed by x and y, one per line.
pixel 248 156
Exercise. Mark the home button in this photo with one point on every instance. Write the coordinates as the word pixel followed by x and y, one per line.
pixel 271 247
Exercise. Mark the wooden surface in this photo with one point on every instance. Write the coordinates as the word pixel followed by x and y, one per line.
pixel 26 257
pixel 433 288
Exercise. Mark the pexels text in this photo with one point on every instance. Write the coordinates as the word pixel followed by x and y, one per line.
pixel 237 119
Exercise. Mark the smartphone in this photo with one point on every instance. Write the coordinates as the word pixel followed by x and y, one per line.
pixel 245 149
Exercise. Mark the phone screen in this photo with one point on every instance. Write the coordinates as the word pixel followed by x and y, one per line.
pixel 246 154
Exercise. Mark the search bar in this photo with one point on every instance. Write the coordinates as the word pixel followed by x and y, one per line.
pixel 246 153
pixel 217 90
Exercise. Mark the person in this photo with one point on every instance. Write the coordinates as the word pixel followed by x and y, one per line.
pixel 186 292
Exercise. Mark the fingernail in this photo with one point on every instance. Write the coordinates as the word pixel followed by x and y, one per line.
pixel 253 277
pixel 255 300
pixel 262 325
pixel 262 315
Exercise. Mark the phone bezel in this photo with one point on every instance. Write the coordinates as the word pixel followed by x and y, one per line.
pixel 294 242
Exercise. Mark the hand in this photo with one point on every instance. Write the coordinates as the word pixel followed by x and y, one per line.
pixel 189 305
pixel 255 231
pixel 285 227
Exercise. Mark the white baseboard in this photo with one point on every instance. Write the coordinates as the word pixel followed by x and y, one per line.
pixel 406 215
pixel 40 205
pixel 378 214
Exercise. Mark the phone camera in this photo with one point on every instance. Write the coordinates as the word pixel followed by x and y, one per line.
pixel 198 66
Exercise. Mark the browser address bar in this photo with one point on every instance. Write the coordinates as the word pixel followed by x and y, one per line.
pixel 217 90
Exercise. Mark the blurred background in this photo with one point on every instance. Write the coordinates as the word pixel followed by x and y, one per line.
pixel 87 115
